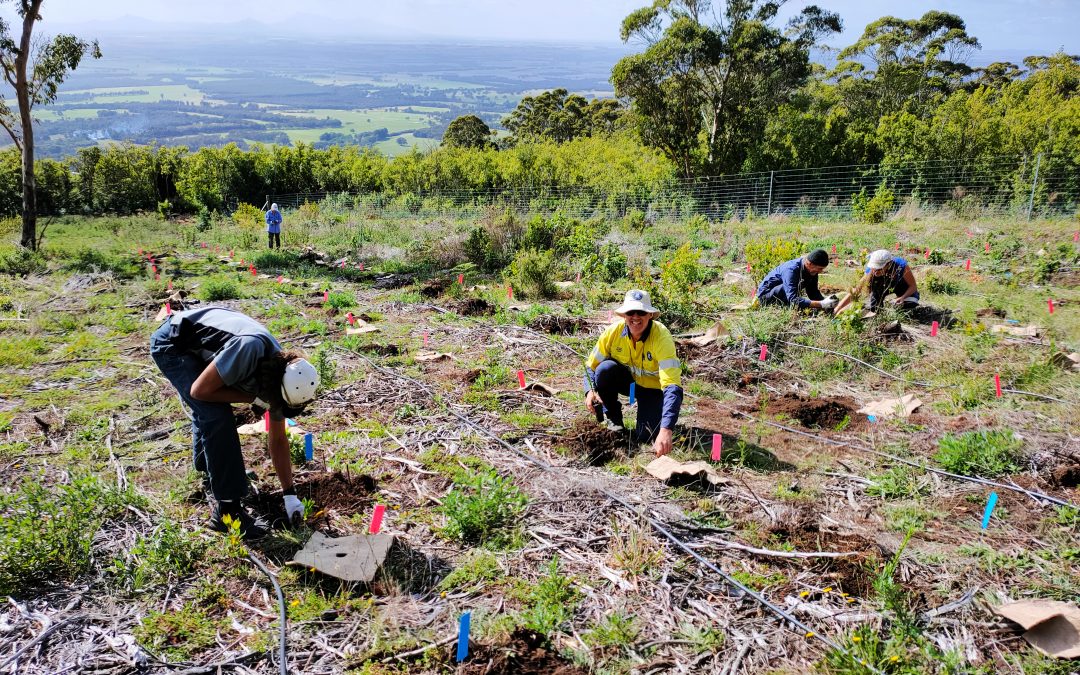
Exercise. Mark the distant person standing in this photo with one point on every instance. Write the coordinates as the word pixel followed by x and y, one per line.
pixel 273 226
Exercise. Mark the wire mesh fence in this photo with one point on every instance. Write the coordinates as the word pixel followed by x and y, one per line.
pixel 1030 186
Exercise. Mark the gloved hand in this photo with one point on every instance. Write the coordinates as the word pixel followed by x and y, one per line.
pixel 829 302
pixel 294 509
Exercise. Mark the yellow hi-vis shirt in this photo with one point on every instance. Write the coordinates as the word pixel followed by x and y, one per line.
pixel 651 361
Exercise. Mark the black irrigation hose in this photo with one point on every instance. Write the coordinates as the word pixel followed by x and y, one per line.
pixel 808 632
pixel 282 665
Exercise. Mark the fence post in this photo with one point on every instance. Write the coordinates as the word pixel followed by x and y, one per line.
pixel 768 206
pixel 1034 183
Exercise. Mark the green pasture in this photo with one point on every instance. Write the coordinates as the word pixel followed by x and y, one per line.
pixel 160 92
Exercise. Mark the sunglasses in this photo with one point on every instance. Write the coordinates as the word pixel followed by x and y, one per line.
pixel 636 312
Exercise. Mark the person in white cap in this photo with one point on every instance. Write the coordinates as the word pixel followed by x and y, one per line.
pixel 885 274
pixel 639 350
pixel 273 226
pixel 215 357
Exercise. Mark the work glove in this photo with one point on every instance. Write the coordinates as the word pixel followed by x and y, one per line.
pixel 828 303
pixel 294 509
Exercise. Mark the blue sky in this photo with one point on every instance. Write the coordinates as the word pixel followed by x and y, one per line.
pixel 1032 26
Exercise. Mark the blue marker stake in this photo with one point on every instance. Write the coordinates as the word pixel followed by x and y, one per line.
pixel 871 418
pixel 289 422
pixel 990 503
pixel 463 637
pixel 633 387
pixel 309 447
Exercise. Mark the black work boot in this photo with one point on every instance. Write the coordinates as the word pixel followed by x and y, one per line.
pixel 227 512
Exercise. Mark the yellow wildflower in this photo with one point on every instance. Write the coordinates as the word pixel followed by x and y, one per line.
pixel 810 634
pixel 804 594
pixel 826 589
pixel 856 638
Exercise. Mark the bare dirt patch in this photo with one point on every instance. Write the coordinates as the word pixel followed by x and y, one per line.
pixel 433 288
pixel 1066 475
pixel 826 412
pixel 595 444
pixel 525 653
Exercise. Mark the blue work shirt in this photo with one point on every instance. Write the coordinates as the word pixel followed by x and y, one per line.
pixel 786 283
pixel 273 221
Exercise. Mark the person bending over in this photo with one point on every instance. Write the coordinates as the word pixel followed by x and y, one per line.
pixel 786 284
pixel 885 275
pixel 640 350
pixel 215 357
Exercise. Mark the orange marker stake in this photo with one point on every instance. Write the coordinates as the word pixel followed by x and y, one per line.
pixel 897 246
pixel 717 446
pixel 933 329
pixel 376 519
pixel 997 385
pixel 521 378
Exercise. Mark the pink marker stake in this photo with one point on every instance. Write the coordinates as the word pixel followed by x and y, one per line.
pixel 361 267
pixel 967 264
pixel 1050 304
pixel 376 519
pixel 326 296
pixel 521 378
pixel 897 246
pixel 230 253
pixel 997 385
pixel 748 268
pixel 764 352
pixel 509 292
pixel 351 319
pixel 926 256
pixel 157 277
pixel 577 279
pixel 342 264
pixel 153 268
pixel 254 272
pixel 987 247
pixel 1076 236
pixel 280 279
pixel 266 420
pixel 168 309
pixel 717 446
pixel 933 329
pixel 834 249
pixel 461 279
pixel 425 339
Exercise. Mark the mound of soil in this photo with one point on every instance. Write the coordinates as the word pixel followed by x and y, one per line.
pixel 1067 475
pixel 595 444
pixel 433 288
pixel 380 350
pixel 822 413
pixel 337 491
pixel 559 325
pixel 526 653
pixel 474 307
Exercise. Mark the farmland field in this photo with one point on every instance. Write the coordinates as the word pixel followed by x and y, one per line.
pixel 511 503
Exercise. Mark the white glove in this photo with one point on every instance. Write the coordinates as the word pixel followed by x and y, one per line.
pixel 294 508
pixel 828 303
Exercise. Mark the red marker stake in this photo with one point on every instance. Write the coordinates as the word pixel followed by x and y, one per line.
pixel 350 318
pixel 1076 236
pixel 717 446
pixel 461 279
pixel 266 420
pixel 748 268
pixel 933 329
pixel 509 292
pixel 834 249
pixel 326 296
pixel 521 378
pixel 153 268
pixel 764 352
pixel 376 519
pixel 987 247
pixel 342 264
pixel 967 264
pixel 254 273
pixel 897 246
pixel 1050 304
pixel 997 385
pixel 168 309
pixel 926 256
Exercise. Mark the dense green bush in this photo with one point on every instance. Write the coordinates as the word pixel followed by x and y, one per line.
pixel 219 288
pixel 92 260
pixel 873 209
pixel 988 453
pixel 533 274
pixel 484 510
pixel 21 262
pixel 764 254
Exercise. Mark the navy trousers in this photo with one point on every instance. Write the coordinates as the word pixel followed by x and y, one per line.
pixel 612 379
pixel 215 443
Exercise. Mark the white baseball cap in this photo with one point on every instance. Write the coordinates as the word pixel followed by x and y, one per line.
pixel 636 300
pixel 878 259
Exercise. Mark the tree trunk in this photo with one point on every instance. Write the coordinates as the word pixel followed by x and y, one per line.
pixel 22 93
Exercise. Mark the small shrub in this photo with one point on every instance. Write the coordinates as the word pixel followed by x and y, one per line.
pixel 765 254
pixel 936 284
pixel 89 260
pixel 167 553
pixel 164 209
pixel 325 366
pixel 341 300
pixel 899 482
pixel 873 209
pixel 981 453
pixel 681 275
pixel 22 262
pixel 611 263
pixel 635 220
pixel 219 288
pixel 551 601
pixel 178 635
pixel 485 510
pixel 533 273
pixel 247 215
